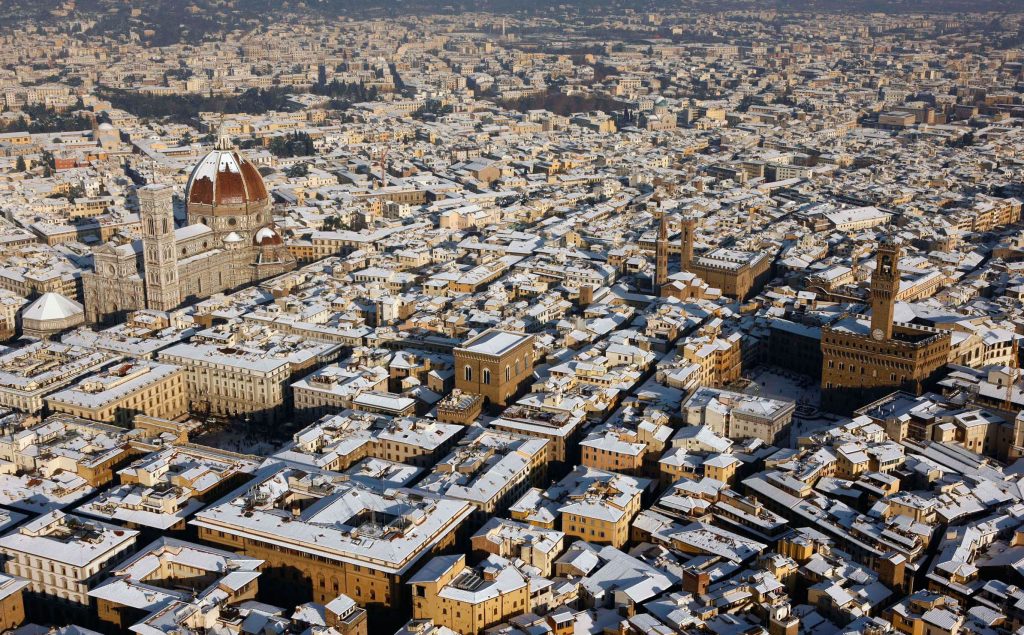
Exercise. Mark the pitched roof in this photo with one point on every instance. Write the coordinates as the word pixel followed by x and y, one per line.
pixel 51 306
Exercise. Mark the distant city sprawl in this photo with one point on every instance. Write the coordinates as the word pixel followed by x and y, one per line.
pixel 511 317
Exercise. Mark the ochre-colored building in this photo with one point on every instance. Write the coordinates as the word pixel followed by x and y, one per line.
pixel 862 362
pixel 494 365
pixel 588 504
pixel 12 601
pixel 322 535
pixel 469 600
pixel 738 274
pixel 153 579
pixel 614 450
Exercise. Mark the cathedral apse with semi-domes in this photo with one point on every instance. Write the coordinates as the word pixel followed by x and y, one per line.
pixel 229 241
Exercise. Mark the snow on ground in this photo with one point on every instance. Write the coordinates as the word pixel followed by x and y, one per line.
pixel 235 438
pixel 778 383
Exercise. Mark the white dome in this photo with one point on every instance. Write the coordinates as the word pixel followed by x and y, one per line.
pixel 267 236
pixel 51 306
pixel 233 237
pixel 265 233
pixel 106 126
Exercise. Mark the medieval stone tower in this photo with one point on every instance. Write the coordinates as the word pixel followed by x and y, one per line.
pixel 686 237
pixel 885 284
pixel 156 206
pixel 661 254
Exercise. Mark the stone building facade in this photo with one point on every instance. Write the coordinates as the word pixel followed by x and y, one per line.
pixel 738 274
pixel 363 555
pixel 60 554
pixel 124 390
pixel 12 601
pixel 229 241
pixel 865 361
pixel 494 365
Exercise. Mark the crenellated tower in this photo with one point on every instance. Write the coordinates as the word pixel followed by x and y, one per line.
pixel 885 285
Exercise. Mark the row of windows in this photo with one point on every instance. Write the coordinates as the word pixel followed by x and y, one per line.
pixel 486 374
pixel 874 372
pixel 880 362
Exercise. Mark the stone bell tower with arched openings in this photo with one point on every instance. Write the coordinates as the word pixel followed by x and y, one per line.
pixel 156 208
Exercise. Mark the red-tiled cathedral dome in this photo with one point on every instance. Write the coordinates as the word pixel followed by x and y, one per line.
pixel 224 177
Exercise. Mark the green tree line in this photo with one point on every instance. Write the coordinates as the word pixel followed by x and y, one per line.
pixel 186 108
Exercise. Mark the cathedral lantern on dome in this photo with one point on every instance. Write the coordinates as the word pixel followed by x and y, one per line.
pixel 226 193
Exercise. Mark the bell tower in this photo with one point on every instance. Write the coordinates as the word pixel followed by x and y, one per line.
pixel 156 207
pixel 885 284
pixel 686 237
pixel 661 254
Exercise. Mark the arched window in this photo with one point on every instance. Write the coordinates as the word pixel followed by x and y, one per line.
pixel 508 373
pixel 487 375
pixel 469 373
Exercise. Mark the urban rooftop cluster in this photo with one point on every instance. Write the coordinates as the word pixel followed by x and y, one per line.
pixel 670 320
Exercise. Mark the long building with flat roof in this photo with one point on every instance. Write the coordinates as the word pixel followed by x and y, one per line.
pixel 322 535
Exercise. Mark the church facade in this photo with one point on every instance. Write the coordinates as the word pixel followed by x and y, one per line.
pixel 229 241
